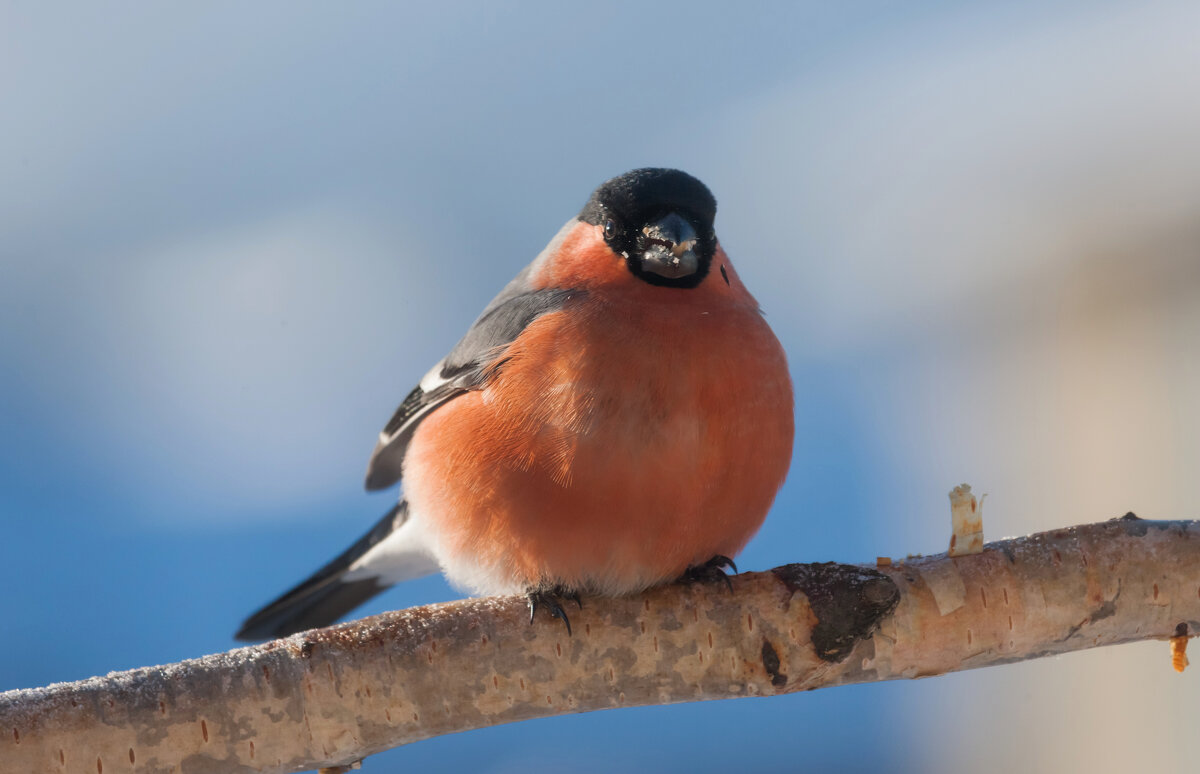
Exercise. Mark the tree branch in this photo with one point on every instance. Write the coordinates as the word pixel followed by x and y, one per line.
pixel 332 696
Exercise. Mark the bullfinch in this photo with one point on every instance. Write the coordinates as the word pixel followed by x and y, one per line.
pixel 618 417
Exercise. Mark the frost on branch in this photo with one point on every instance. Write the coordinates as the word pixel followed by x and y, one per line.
pixel 330 697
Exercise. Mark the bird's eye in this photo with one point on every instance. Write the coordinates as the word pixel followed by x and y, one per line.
pixel 610 228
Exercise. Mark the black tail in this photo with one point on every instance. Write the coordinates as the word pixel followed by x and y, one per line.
pixel 325 597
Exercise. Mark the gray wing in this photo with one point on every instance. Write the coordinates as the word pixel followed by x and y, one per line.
pixel 462 370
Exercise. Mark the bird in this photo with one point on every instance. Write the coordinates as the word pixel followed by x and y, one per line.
pixel 620 416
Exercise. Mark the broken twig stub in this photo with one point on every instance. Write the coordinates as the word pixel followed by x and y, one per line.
pixel 966 518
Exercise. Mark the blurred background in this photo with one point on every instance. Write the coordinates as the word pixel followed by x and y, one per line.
pixel 232 237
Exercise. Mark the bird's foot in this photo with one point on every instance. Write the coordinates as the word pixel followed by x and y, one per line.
pixel 552 599
pixel 711 571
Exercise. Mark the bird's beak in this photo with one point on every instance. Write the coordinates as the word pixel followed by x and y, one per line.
pixel 667 247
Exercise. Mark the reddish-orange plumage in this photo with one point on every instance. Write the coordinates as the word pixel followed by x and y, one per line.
pixel 638 431
pixel 620 414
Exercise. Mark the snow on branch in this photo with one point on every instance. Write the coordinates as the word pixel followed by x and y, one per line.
pixel 330 697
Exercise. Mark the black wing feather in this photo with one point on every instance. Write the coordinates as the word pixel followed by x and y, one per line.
pixel 323 597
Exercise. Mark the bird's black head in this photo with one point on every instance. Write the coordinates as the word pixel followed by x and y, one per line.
pixel 660 221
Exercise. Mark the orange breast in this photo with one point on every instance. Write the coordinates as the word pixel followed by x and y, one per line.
pixel 620 441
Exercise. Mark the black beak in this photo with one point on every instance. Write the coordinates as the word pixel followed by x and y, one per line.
pixel 667 247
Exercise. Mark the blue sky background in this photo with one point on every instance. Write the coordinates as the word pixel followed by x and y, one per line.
pixel 232 237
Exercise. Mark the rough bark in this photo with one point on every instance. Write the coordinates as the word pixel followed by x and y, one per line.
pixel 333 696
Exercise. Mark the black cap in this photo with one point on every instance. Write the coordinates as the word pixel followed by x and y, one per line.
pixel 643 193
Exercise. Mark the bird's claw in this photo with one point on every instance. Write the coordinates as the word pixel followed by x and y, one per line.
pixel 710 571
pixel 551 599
